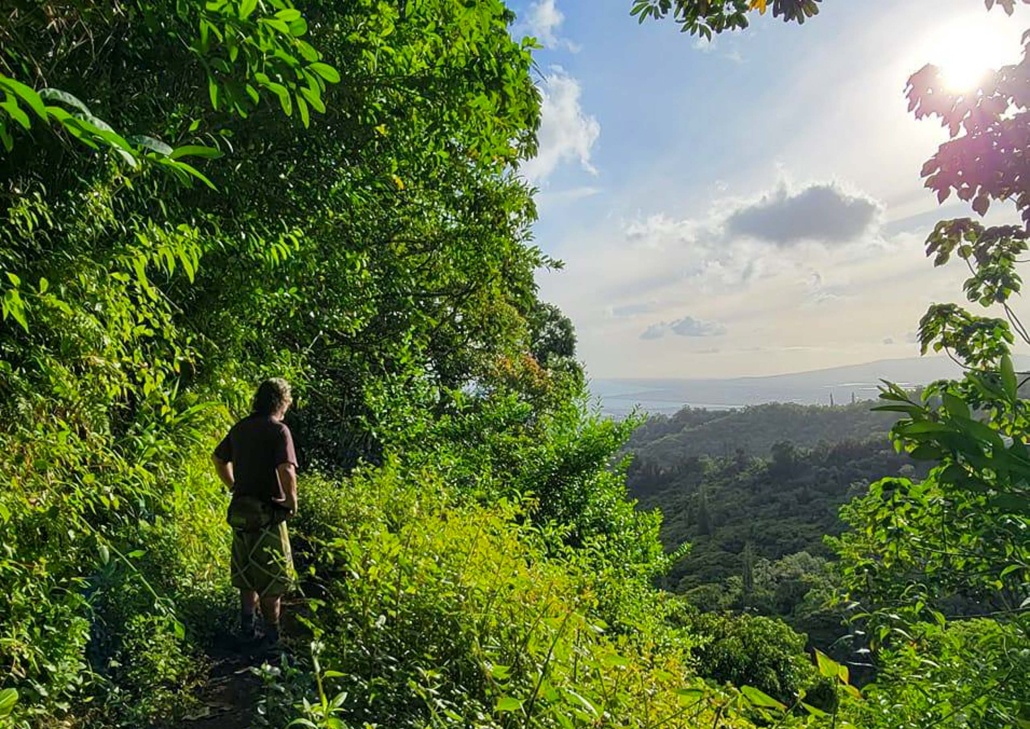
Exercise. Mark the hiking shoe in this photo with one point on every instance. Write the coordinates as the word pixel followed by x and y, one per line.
pixel 248 629
pixel 269 643
pixel 271 637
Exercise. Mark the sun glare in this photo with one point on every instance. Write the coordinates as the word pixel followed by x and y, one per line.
pixel 963 71
pixel 966 52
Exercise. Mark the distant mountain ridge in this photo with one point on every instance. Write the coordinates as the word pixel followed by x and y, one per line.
pixel 619 397
pixel 754 430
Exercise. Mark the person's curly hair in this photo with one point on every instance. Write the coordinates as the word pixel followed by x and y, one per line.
pixel 272 396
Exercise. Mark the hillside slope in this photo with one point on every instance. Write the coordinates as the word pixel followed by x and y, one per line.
pixel 751 494
pixel 665 441
pixel 780 506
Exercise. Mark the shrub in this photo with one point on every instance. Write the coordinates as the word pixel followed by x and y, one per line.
pixel 751 650
pixel 443 614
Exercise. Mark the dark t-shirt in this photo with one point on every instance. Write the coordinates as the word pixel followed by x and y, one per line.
pixel 256 446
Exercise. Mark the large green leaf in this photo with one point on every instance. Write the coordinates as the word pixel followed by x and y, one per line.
pixel 193 150
pixel 1008 376
pixel 151 143
pixel 828 667
pixel 760 698
pixel 508 704
pixel 8 698
pixel 65 98
pixel 326 71
pixel 25 93
pixel 11 107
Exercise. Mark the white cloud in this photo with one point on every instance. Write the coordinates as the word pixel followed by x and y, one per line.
pixel 705 45
pixel 567 133
pixel 787 215
pixel 804 305
pixel 633 309
pixel 688 326
pixel 818 211
pixel 715 46
pixel 549 200
pixel 543 21
pixel 780 234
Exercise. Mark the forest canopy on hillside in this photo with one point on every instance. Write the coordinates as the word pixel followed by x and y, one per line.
pixel 753 526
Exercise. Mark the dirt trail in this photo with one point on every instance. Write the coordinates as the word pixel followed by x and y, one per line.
pixel 229 698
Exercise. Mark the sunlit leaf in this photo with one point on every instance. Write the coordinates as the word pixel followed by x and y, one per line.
pixel 26 94
pixel 11 107
pixel 326 71
pixel 8 699
pixel 508 703
pixel 65 98
pixel 192 150
pixel 1008 377
pixel 151 143
pixel 760 698
pixel 826 665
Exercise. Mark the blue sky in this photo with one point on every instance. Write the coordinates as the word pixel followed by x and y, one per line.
pixel 751 206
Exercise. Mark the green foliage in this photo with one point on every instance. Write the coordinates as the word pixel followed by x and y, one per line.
pixel 799 588
pixel 924 557
pixel 782 506
pixel 45 637
pixel 490 571
pixel 449 598
pixel 940 566
pixel 664 442
pixel 77 575
pixel 75 118
pixel 964 674
pixel 152 674
pixel 751 650
pixel 707 17
pixel 378 255
pixel 526 434
pixel 437 613
pixel 553 340
pixel 381 237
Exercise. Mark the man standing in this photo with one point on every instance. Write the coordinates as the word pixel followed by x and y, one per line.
pixel 257 462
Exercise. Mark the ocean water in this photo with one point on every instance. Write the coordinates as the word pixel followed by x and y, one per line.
pixel 620 397
pixel 839 385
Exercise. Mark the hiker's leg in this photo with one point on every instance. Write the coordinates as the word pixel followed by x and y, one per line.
pixel 270 608
pixel 248 606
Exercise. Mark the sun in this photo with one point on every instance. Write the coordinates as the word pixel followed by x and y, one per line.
pixel 963 71
pixel 966 52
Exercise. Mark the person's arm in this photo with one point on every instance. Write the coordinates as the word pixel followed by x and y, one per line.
pixel 288 480
pixel 224 471
pixel 222 458
pixel 286 469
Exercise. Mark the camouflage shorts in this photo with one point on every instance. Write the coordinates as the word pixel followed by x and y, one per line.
pixel 262 561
